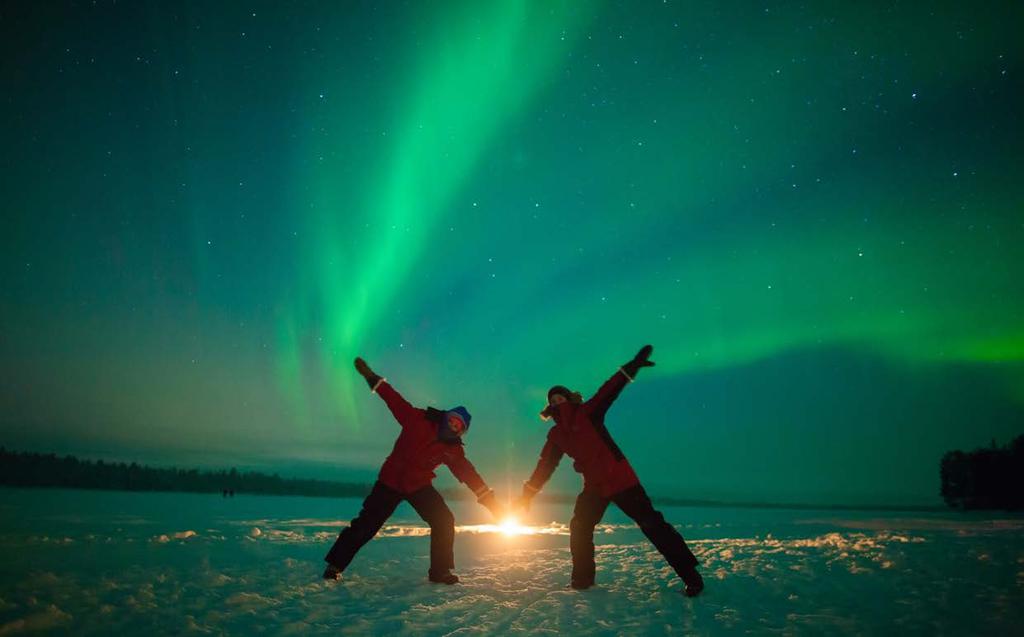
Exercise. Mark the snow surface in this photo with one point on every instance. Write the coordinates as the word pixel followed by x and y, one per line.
pixel 103 562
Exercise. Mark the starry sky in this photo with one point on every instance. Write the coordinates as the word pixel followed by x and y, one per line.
pixel 814 214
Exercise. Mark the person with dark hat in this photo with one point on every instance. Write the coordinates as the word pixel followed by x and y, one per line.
pixel 430 437
pixel 580 432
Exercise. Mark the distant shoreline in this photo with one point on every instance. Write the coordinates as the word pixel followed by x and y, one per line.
pixel 457 494
pixel 35 470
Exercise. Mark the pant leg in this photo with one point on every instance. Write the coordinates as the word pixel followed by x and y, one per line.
pixel 377 508
pixel 431 507
pixel 589 510
pixel 637 505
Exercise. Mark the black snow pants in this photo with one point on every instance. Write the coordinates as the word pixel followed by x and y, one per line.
pixel 634 502
pixel 378 507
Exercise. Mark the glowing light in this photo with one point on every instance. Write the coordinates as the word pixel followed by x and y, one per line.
pixel 511 526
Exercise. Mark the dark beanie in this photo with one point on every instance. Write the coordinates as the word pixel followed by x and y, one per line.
pixel 560 389
pixel 462 413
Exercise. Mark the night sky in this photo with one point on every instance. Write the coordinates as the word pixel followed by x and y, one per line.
pixel 814 214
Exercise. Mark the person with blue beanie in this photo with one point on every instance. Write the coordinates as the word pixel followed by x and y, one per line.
pixel 429 438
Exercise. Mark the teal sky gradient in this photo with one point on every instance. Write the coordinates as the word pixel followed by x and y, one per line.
pixel 813 213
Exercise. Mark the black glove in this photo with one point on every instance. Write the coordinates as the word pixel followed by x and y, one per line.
pixel 364 370
pixel 640 360
pixel 523 503
pixel 490 502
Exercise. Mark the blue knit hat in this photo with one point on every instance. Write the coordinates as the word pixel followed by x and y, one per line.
pixel 462 413
pixel 444 431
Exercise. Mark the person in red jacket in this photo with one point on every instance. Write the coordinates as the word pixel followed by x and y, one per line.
pixel 429 438
pixel 579 431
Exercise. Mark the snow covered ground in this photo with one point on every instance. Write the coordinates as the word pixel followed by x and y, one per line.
pixel 105 562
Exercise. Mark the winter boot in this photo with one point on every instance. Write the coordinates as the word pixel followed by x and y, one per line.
pixel 331 573
pixel 581 584
pixel 443 577
pixel 694 583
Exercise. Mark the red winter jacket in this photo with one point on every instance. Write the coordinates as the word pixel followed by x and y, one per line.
pixel 417 452
pixel 579 431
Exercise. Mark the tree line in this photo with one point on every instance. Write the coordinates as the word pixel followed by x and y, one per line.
pixel 986 478
pixel 26 469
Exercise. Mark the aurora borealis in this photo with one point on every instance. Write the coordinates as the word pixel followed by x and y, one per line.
pixel 812 213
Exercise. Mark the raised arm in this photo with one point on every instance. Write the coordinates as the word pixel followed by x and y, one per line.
pixel 466 473
pixel 550 455
pixel 610 390
pixel 399 406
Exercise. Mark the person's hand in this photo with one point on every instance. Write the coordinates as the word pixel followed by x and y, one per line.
pixel 498 511
pixel 490 502
pixel 642 358
pixel 523 504
pixel 372 378
pixel 363 369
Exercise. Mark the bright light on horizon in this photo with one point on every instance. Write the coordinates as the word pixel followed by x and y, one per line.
pixel 511 526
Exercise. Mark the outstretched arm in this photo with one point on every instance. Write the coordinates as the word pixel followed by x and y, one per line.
pixel 550 455
pixel 399 406
pixel 466 473
pixel 610 390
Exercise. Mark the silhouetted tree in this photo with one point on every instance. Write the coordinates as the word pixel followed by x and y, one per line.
pixel 986 478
